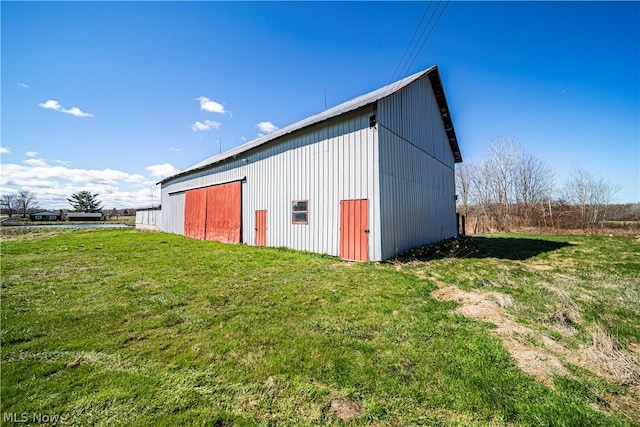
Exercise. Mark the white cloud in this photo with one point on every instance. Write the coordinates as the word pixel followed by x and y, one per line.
pixel 75 111
pixel 31 153
pixel 52 104
pixel 174 149
pixel 162 171
pixel 24 85
pixel 35 162
pixel 266 127
pixel 5 150
pixel 207 125
pixel 211 106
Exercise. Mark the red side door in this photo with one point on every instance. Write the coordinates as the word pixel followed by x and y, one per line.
pixel 261 228
pixel 354 230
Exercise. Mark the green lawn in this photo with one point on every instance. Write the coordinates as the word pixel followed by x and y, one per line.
pixel 114 326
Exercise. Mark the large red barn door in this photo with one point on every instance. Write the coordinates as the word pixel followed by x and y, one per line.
pixel 214 213
pixel 224 214
pixel 354 229
pixel 195 213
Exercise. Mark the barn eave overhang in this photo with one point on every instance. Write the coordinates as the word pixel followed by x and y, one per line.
pixel 438 91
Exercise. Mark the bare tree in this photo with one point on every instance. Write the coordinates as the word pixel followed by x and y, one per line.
pixel 503 156
pixel 508 188
pixel 26 200
pixel 9 202
pixel 589 195
pixel 481 194
pixel 533 183
pixel 463 188
pixel 546 206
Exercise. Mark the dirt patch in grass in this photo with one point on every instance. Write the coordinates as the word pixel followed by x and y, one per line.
pixel 533 359
pixel 541 357
pixel 345 409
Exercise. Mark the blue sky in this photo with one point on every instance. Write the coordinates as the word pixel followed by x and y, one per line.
pixel 111 97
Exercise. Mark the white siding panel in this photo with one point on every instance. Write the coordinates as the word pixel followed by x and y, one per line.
pixel 413 114
pixel 148 216
pixel 417 187
pixel 172 216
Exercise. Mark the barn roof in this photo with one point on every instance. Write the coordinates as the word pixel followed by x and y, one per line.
pixel 85 214
pixel 45 213
pixel 345 107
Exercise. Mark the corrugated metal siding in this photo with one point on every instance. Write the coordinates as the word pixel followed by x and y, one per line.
pixel 325 163
pixel 148 216
pixel 417 187
pixel 172 211
pixel 413 114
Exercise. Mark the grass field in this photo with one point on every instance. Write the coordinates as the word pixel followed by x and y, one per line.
pixel 114 326
pixel 19 221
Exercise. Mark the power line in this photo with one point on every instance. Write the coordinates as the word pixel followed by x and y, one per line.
pixel 420 41
pixel 410 60
pixel 403 69
pixel 393 76
pixel 430 31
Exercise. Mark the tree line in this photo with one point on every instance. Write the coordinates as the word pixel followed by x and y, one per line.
pixel 24 202
pixel 512 188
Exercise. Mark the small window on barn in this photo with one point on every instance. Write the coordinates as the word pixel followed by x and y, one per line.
pixel 38 216
pixel 299 212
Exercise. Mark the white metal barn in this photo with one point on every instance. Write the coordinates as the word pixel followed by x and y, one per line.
pixel 365 180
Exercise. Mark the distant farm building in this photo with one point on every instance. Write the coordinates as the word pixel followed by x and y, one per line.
pixel 365 180
pixel 85 216
pixel 148 219
pixel 45 216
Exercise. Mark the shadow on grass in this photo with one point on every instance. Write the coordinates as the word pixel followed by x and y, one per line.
pixel 512 248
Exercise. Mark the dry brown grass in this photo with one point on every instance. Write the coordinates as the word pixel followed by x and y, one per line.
pixel 615 362
pixel 540 356
pixel 523 344
pixel 598 231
